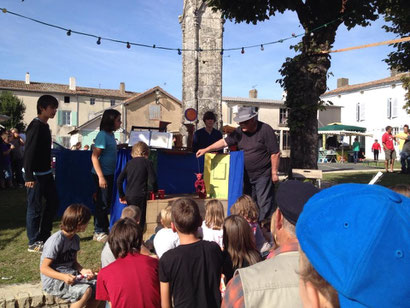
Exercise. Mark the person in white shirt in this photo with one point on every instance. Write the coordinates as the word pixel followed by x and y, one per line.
pixel 165 239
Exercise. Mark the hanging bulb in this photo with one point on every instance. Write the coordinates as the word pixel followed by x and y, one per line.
pixel 280 41
pixel 222 52
pixel 128 45
pixel 99 41
pixel 69 32
pixel 293 34
pixel 4 11
pixel 179 51
pixel 262 48
pixel 243 50
pixel 153 46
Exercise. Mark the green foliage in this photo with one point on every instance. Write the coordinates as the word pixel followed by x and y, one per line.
pixel 13 107
pixel 406 86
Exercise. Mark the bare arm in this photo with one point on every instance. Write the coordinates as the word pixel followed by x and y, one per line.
pixel 275 159
pixel 47 270
pixel 220 144
pixel 97 166
pixel 165 295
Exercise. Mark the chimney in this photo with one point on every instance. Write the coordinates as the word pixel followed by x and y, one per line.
pixel 27 78
pixel 342 82
pixel 253 93
pixel 71 85
pixel 122 87
pixel 393 72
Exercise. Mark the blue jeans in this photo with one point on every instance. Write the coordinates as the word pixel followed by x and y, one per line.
pixel 355 156
pixel 103 204
pixel 262 191
pixel 39 219
pixel 405 158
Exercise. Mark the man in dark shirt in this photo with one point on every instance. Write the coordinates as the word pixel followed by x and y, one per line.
pixel 38 175
pixel 261 154
pixel 207 135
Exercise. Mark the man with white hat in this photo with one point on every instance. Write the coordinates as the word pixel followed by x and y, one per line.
pixel 261 155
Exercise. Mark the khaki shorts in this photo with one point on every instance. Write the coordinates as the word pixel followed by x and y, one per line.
pixel 390 155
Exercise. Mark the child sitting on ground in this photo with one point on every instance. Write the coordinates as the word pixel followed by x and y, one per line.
pixel 138 171
pixel 239 246
pixel 132 279
pixel 247 208
pixel 61 274
pixel 133 212
pixel 166 238
pixel 212 226
pixel 190 273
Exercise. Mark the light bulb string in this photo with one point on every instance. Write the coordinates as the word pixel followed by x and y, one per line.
pixel 128 43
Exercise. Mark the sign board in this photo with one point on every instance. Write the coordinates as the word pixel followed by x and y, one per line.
pixel 152 139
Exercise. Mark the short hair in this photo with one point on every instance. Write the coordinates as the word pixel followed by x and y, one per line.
pixel 246 207
pixel 108 120
pixel 388 127
pixel 308 274
pixel 140 149
pixel 403 189
pixel 15 129
pixel 133 212
pixel 166 216
pixel 125 237
pixel 405 125
pixel 185 215
pixel 74 216
pixel 214 214
pixel 209 115
pixel 46 100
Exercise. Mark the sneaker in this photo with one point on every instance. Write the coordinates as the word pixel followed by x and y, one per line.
pixel 100 237
pixel 36 247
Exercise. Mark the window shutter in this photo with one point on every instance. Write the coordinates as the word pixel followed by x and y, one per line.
pixel 394 108
pixel 74 118
pixel 389 108
pixel 357 112
pixel 59 118
pixel 362 112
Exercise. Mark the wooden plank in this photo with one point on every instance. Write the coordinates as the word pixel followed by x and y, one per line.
pixel 307 174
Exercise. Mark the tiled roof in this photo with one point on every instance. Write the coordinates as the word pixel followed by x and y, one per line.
pixel 251 100
pixel 17 85
pixel 138 96
pixel 366 85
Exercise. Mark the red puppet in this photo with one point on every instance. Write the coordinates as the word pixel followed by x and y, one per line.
pixel 200 186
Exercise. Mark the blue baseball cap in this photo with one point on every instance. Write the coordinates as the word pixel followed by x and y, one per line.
pixel 357 237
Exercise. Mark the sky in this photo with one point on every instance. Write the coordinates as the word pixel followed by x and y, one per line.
pixel 52 56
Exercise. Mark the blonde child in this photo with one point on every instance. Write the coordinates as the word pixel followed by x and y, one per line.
pixel 248 209
pixel 61 274
pixel 138 171
pixel 166 238
pixel 212 226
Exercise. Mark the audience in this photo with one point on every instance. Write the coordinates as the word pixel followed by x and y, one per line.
pixel 274 282
pixel 166 238
pixel 354 242
pixel 132 279
pixel 212 226
pixel 239 246
pixel 190 274
pixel 403 189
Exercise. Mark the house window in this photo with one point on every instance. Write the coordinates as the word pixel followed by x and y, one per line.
pixel 360 112
pixel 65 141
pixel 283 116
pixel 65 117
pixel 154 112
pixel 66 99
pixel 92 101
pixel 286 140
pixel 112 102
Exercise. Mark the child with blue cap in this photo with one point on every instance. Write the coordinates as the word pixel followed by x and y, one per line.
pixel 355 248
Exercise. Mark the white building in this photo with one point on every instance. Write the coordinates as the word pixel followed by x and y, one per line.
pixel 374 105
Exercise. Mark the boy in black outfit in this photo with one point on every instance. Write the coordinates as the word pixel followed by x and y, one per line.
pixel 137 172
pixel 38 175
pixel 190 274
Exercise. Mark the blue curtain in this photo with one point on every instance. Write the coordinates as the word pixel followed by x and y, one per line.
pixel 236 170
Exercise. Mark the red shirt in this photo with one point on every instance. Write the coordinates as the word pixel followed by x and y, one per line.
pixel 130 282
pixel 387 141
pixel 376 146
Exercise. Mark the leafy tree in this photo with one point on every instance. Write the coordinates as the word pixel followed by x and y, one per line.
pixel 305 75
pixel 13 107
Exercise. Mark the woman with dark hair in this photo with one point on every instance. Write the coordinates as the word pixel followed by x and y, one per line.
pixel 104 160
pixel 239 246
pixel 207 135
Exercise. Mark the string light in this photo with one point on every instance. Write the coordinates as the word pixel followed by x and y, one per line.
pixel 128 44
pixel 179 51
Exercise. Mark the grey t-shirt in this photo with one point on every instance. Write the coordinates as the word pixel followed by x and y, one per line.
pixel 63 251
pixel 107 256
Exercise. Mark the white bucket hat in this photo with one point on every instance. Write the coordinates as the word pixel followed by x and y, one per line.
pixel 244 114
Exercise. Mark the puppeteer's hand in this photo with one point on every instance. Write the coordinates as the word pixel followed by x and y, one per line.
pixel 102 182
pixel 200 152
pixel 69 279
pixel 122 200
pixel 88 273
pixel 275 178
pixel 29 184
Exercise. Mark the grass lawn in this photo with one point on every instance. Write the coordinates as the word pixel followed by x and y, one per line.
pixel 17 265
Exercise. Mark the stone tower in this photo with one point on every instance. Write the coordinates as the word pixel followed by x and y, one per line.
pixel 201 70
